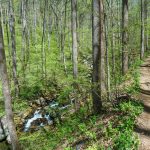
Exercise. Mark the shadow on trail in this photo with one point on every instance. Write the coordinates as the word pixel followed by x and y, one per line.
pixel 143 131
pixel 146 108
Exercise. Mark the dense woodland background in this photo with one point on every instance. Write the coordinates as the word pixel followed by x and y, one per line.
pixel 81 51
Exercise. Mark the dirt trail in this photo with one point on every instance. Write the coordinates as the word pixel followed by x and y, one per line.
pixel 143 121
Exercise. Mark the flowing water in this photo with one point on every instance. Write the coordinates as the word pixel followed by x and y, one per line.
pixel 41 118
pixel 37 115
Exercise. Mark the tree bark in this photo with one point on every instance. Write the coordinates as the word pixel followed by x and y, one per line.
pixel 113 40
pixel 74 37
pixel 9 48
pixel 124 36
pixel 142 31
pixel 102 50
pixel 146 23
pixel 13 43
pixel 97 104
pixel 7 96
pixel 63 37
pixel 107 60
pixel 1 11
pixel 43 51
pixel 99 52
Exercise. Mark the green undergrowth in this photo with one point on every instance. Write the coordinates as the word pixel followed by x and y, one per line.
pixel 112 130
pixel 125 137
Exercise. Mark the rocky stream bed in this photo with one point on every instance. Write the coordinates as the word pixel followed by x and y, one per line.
pixel 40 113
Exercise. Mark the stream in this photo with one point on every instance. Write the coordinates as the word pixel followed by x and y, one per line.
pixel 42 117
pixel 32 119
pixel 38 119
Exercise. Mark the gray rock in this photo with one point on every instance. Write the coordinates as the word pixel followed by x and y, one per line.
pixel 8 139
pixel 4 133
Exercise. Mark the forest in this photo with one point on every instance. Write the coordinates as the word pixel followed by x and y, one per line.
pixel 74 75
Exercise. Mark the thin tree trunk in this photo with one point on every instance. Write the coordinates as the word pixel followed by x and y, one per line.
pixel 13 43
pixel 97 103
pixel 35 23
pixel 107 60
pixel 112 40
pixel 142 31
pixel 35 29
pixel 102 50
pixel 25 38
pixel 124 36
pixel 43 52
pixel 7 96
pixel 63 38
pixel 27 35
pixel 2 20
pixel 9 49
pixel 113 48
pixel 146 23
pixel 49 27
pixel 119 40
pixel 74 38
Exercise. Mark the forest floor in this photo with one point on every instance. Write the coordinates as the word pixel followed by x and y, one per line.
pixel 143 121
pixel 114 129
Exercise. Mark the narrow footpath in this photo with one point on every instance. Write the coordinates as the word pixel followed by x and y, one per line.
pixel 143 121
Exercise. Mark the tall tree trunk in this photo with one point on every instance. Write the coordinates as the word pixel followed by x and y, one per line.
pixel 146 23
pixel 98 44
pixel 102 50
pixel 50 23
pixel 43 51
pixel 35 23
pixel 9 48
pixel 23 51
pixel 74 38
pixel 107 59
pixel 142 30
pixel 63 37
pixel 7 96
pixel 2 20
pixel 119 40
pixel 28 34
pixel 97 103
pixel 124 36
pixel 35 29
pixel 25 38
pixel 113 40
pixel 13 43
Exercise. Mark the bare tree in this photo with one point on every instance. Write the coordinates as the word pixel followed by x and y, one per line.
pixel 13 43
pixel 63 36
pixel 43 51
pixel 7 96
pixel 107 56
pixel 113 39
pixel 25 37
pixel 97 104
pixel 102 50
pixel 98 44
pixel 146 23
pixel 124 36
pixel 1 11
pixel 74 37
pixel 142 30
